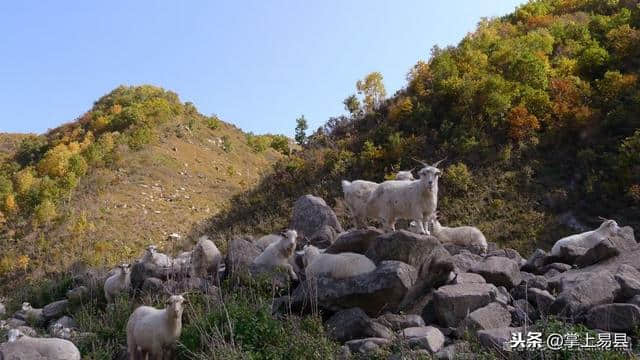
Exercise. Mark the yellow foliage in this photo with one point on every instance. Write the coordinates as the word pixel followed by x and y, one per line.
pixel 115 109
pixel 24 180
pixel 400 109
pixel 419 78
pixel 6 264
pixel 100 123
pixel 22 262
pixel 10 204
pixel 56 161
pixel 45 211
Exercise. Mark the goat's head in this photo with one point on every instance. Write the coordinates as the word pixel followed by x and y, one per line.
pixel 288 242
pixel 26 306
pixel 152 249
pixel 125 268
pixel 309 252
pixel 14 335
pixel 174 302
pixel 429 174
pixel 611 226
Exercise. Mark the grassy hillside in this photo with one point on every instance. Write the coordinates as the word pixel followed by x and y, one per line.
pixel 537 113
pixel 137 167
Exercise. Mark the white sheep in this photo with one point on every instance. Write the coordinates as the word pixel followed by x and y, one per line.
pixel 152 332
pixel 118 282
pixel 405 175
pixel 279 253
pixel 411 200
pixel 466 236
pixel 21 346
pixel 337 266
pixel 587 239
pixel 153 257
pixel 31 314
pixel 58 330
pixel 356 194
pixel 206 258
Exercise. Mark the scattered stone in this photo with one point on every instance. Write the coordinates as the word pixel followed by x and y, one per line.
pixel 353 323
pixel 496 338
pixel 629 279
pixel 509 254
pixel 603 250
pixel 153 285
pixel 240 255
pixel 492 316
pixel 310 213
pixel 55 309
pixel 397 322
pixel 357 241
pixel 67 322
pixel 78 295
pixel 367 345
pixel 424 337
pixel 551 273
pixel 457 350
pixel 14 323
pixel 324 237
pixel 452 303
pixel 523 313
pixel 502 296
pixel 465 260
pixel 614 317
pixel 561 267
pixel 535 262
pixel 499 271
pixel 469 278
pixel 542 299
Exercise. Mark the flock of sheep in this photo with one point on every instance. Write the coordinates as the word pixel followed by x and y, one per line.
pixel 151 332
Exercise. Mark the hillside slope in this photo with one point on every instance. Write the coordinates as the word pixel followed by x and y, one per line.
pixel 536 112
pixel 98 190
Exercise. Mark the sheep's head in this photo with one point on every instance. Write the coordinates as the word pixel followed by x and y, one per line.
pixel 429 174
pixel 152 249
pixel 405 175
pixel 174 302
pixel 610 226
pixel 288 242
pixel 26 306
pixel 310 252
pixel 125 268
pixel 14 335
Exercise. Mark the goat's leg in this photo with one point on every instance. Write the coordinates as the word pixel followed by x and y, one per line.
pixel 292 272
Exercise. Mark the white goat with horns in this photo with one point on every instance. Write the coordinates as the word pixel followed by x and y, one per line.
pixel 411 200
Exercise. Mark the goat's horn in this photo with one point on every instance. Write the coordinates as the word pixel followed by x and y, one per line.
pixel 420 161
pixel 435 164
pixel 601 218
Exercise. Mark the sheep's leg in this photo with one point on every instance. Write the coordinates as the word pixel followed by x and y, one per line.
pixel 292 273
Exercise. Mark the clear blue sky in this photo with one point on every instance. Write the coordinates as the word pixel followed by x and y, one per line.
pixel 257 64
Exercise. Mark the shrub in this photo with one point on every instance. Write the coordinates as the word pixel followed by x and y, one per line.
pixel 280 143
pixel 139 137
pixel 459 177
pixel 226 144
pixel 45 211
pixel 213 122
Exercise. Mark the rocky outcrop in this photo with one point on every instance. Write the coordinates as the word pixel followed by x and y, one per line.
pixel 352 324
pixel 310 213
pixel 452 303
pixel 614 317
pixel 500 271
pixel 356 241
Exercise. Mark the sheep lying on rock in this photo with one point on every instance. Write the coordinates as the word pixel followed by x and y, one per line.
pixel 279 254
pixel 151 332
pixel 118 282
pixel 589 239
pixel 465 236
pixel 337 266
pixel 153 257
pixel 21 346
pixel 32 315
pixel 206 258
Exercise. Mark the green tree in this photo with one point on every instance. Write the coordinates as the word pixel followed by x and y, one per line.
pixel 301 127
pixel 372 88
pixel 352 104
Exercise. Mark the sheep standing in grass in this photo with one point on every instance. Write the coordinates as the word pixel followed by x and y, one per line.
pixel 337 266
pixel 152 332
pixel 21 346
pixel 279 253
pixel 356 194
pixel 588 239
pixel 411 200
pixel 466 236
pixel 153 257
pixel 206 258
pixel 118 282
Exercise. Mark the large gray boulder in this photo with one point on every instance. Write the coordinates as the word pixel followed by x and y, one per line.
pixel 457 350
pixel 542 299
pixel 629 279
pixel 356 241
pixel 614 317
pixel 465 260
pixel 535 262
pixel 452 303
pixel 241 252
pixel 366 346
pixel 498 337
pixel 500 271
pixel 324 237
pixel 603 250
pixel 310 213
pixel 55 309
pixel 374 292
pixel 492 316
pixel 601 288
pixel 353 323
